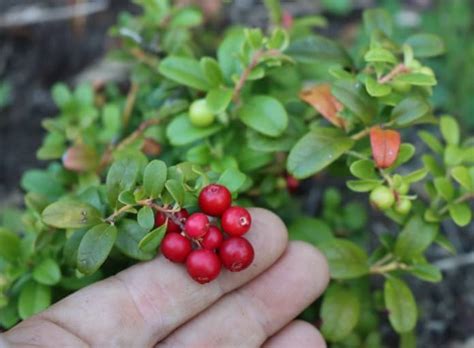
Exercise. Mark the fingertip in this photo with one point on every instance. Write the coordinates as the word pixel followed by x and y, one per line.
pixel 296 334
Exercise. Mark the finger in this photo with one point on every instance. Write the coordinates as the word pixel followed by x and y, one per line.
pixel 296 334
pixel 251 314
pixel 143 304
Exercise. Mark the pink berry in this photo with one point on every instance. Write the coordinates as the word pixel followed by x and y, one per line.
pixel 203 265
pixel 197 225
pixel 175 247
pixel 214 199
pixel 236 254
pixel 213 239
pixel 236 221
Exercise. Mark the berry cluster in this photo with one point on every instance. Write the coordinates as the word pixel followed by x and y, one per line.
pixel 193 240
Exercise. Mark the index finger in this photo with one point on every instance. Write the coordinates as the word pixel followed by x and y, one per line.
pixel 144 303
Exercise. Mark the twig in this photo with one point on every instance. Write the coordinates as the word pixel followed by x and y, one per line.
pixel 388 267
pixel 460 199
pixel 129 103
pixel 397 70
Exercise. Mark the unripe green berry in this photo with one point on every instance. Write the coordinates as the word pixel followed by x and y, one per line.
pixel 403 188
pixel 403 206
pixel 382 197
pixel 200 115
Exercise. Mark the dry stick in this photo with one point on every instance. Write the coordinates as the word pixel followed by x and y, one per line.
pixel 130 103
pixel 397 70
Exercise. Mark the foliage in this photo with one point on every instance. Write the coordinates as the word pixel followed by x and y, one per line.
pixel 288 104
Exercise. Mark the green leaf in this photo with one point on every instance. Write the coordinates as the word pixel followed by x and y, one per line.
pixel 340 312
pixel 185 71
pixel 34 298
pixel 426 45
pixel 218 99
pixel 146 218
pixel 376 89
pixel 427 273
pixel 264 114
pixel 154 178
pixel 433 143
pixel 122 176
pixel 315 48
pixel 47 272
pixel 463 177
pixel 363 185
pixel 186 17
pixel 9 245
pixel 70 214
pixel 130 233
pixel 176 190
pixel 415 176
pixel 416 79
pixel 228 52
pixel 444 187
pixel 127 197
pixel 181 132
pixel 95 247
pixel 233 179
pixel 316 150
pixel 416 236
pixel 212 71
pixel 445 243
pixel 461 213
pixel 152 240
pixel 363 169
pixel 354 97
pixel 453 155
pixel 450 130
pixel 405 154
pixel 346 259
pixel 259 142
pixel 409 110
pixel 401 305
pixel 378 19
pixel 381 55
pixel 61 95
pixel 311 230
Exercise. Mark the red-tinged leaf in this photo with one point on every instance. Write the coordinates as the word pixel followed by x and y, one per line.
pixel 287 20
pixel 321 98
pixel 80 158
pixel 385 146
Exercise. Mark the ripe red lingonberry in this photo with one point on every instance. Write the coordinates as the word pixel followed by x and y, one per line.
pixel 292 183
pixel 215 199
pixel 203 265
pixel 175 247
pixel 172 226
pixel 197 225
pixel 212 239
pixel 236 221
pixel 236 254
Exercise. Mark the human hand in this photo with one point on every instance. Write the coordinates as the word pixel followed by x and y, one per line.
pixel 156 303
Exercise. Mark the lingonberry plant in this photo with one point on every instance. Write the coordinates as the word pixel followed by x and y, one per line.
pixel 255 117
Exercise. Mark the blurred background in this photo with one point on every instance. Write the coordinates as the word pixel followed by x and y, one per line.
pixel 46 41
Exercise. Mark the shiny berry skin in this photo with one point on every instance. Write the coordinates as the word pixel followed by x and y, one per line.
pixel 236 254
pixel 181 215
pixel 292 183
pixel 382 197
pixel 160 219
pixel 214 199
pixel 236 221
pixel 203 265
pixel 175 247
pixel 212 239
pixel 199 113
pixel 403 206
pixel 197 225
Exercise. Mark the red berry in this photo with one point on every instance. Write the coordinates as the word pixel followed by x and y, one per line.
pixel 203 265
pixel 160 219
pixel 197 225
pixel 292 183
pixel 236 254
pixel 215 199
pixel 181 216
pixel 213 239
pixel 236 221
pixel 176 247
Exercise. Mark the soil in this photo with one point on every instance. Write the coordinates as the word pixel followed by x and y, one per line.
pixel 34 57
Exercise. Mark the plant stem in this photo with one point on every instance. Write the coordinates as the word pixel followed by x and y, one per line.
pixel 129 103
pixel 392 266
pixel 397 70
pixel 460 199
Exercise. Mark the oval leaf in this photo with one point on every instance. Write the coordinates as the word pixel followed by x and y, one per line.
pixel 346 259
pixel 409 110
pixel 146 218
pixel 154 178
pixel 185 71
pixel 316 150
pixel 181 132
pixel 95 247
pixel 47 272
pixel 70 214
pixel 34 298
pixel 461 213
pixel 415 237
pixel 152 240
pixel 401 305
pixel 264 114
